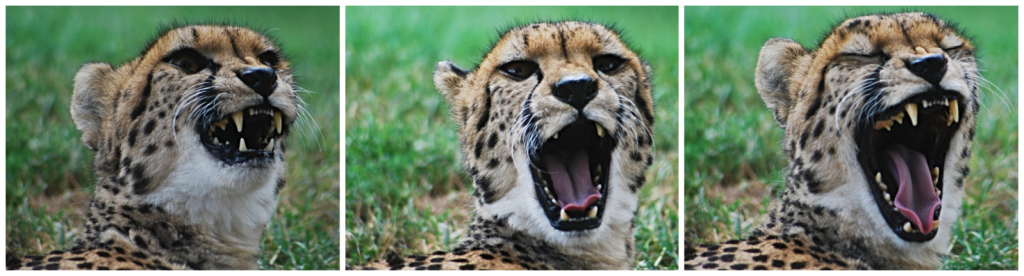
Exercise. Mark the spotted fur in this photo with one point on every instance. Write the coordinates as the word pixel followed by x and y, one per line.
pixel 844 107
pixel 166 197
pixel 540 80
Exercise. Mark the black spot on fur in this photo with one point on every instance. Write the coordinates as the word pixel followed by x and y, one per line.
pixel 484 185
pixel 738 266
pixel 486 111
pixel 467 267
pixel 492 140
pixel 131 136
pixel 85 265
pixel 478 148
pixel 149 149
pixel 148 128
pixel 141 105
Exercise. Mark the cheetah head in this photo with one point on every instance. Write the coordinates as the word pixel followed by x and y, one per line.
pixel 555 127
pixel 196 122
pixel 879 122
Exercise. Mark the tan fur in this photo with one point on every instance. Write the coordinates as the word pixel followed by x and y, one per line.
pixel 162 199
pixel 498 127
pixel 831 214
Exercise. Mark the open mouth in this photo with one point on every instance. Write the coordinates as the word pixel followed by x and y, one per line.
pixel 903 151
pixel 245 135
pixel 570 175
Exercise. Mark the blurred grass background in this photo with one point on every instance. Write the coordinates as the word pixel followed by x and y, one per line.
pixel 49 173
pixel 733 155
pixel 405 189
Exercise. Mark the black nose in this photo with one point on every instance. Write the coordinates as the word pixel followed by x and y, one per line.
pixel 263 80
pixel 931 68
pixel 576 92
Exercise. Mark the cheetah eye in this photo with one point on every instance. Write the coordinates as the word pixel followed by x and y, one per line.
pixel 520 69
pixel 608 63
pixel 187 60
pixel 270 58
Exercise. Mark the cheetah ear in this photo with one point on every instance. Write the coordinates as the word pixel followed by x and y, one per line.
pixel 448 78
pixel 91 101
pixel 776 64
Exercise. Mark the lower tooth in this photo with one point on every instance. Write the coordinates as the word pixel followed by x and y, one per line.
pixel 241 145
pixel 599 186
pixel 592 213
pixel 563 215
pixel 270 145
pixel 907 228
pixel 887 198
pixel 216 141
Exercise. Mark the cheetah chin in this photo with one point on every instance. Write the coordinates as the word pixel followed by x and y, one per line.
pixel 570 172
pixel 904 148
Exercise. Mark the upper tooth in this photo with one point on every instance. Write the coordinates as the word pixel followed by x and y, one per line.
pixel 600 131
pixel 555 137
pixel 954 111
pixel 898 118
pixel 925 104
pixel 277 121
pixel 912 111
pixel 241 145
pixel 237 117
pixel 592 213
pixel 884 124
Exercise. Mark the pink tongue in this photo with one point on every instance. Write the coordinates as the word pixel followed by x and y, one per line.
pixel 570 176
pixel 916 198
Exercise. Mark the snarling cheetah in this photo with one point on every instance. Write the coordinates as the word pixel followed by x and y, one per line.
pixel 878 128
pixel 189 141
pixel 555 126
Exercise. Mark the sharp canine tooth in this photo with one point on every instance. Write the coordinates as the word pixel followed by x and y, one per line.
pixel 277 122
pixel 935 224
pixel 906 227
pixel 592 213
pixel 563 215
pixel 241 145
pixel 600 131
pixel 270 145
pixel 912 112
pixel 898 118
pixel 954 111
pixel 237 117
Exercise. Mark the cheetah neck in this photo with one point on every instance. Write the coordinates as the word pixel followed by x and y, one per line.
pixel 185 220
pixel 497 235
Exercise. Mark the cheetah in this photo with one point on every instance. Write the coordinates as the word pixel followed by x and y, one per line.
pixel 555 127
pixel 189 152
pixel 878 127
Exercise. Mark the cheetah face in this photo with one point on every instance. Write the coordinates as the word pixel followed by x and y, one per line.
pixel 555 127
pixel 896 97
pixel 238 102
pixel 209 101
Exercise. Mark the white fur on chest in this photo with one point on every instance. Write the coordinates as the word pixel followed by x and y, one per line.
pixel 232 204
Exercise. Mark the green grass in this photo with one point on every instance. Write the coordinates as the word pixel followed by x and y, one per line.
pixel 733 155
pixel 49 178
pixel 405 188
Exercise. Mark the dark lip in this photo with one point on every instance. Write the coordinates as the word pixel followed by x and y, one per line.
pixel 256 127
pixel 931 137
pixel 579 134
